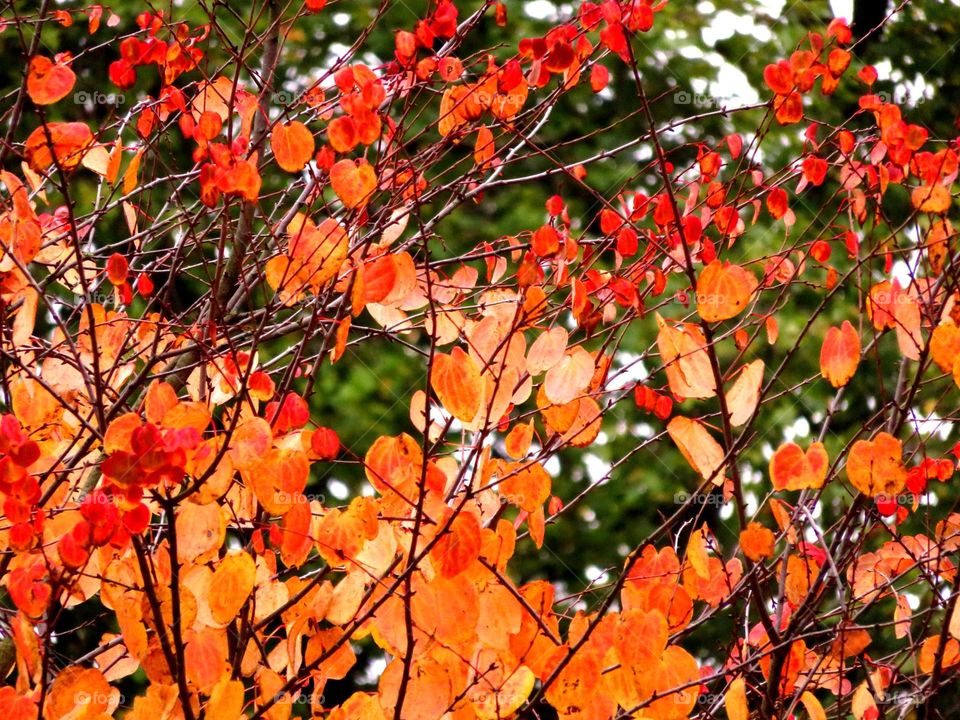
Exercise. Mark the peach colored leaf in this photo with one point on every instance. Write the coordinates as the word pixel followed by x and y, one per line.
pixel 840 354
pixel 569 378
pixel 698 447
pixel 723 291
pixel 456 380
pixel 744 396
pixel 292 145
pixel 353 182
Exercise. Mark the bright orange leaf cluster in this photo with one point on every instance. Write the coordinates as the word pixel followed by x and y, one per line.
pixel 161 447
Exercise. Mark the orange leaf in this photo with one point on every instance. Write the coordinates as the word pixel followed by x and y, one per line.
pixel 696 553
pixel 67 144
pixel 875 467
pixel 201 530
pixel 547 350
pixel 319 252
pixel 863 706
pixel 500 689
pixel 451 105
pixel 569 378
pixel 231 584
pixel 735 700
pixel 296 541
pixel 20 707
pixel 278 478
pixel 250 442
pixel 757 542
pixel 931 198
pixel 359 706
pixel 683 353
pixel 205 657
pixel 292 145
pixel 526 485
pixel 389 277
pixel 80 693
pixel 744 396
pixel 929 650
pixel 459 547
pixel 455 378
pixel 902 616
pixel 342 134
pixel 840 354
pixel 723 291
pixel 517 442
pixel 793 469
pixel 906 316
pixel 226 699
pixel 393 462
pixel 47 81
pixel 812 706
pixel 353 182
pixel 698 447
pixel 484 148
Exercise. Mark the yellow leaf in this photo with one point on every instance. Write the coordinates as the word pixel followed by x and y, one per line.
pixel 931 198
pixel 684 356
pixel 231 584
pixel 744 396
pixel 456 380
pixel 735 700
pixel 699 448
pixel 812 706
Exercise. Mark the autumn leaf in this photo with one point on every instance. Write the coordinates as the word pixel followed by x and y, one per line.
pixel 569 377
pixel 840 354
pixel 723 291
pixel 735 700
pixel 793 469
pixel 230 586
pixel 696 553
pixel 49 81
pixel 930 649
pixel 456 380
pixel 812 706
pixel 863 705
pixel 526 485
pixel 517 442
pixel 547 350
pixel 63 143
pixel 744 396
pixel 460 547
pixel 931 198
pixel 698 447
pixel 684 355
pixel 757 542
pixel 82 692
pixel 353 182
pixel 292 145
pixel 500 691
pixel 875 467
